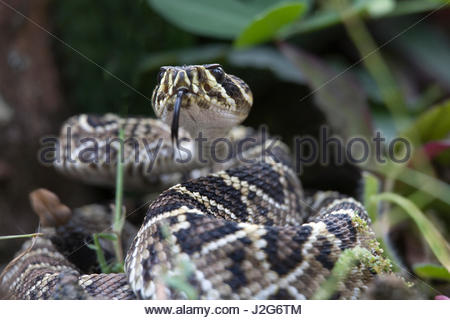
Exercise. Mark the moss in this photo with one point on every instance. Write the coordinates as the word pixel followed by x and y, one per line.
pixel 377 262
pixel 369 255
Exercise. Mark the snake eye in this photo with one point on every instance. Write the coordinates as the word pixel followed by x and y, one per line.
pixel 160 75
pixel 218 73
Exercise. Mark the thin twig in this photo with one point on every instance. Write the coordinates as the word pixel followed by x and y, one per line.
pixel 21 236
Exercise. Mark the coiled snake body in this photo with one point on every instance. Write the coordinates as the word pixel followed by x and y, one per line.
pixel 236 228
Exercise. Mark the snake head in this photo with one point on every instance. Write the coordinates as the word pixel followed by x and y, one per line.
pixel 201 99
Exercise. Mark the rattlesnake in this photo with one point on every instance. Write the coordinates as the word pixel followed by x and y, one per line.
pixel 241 224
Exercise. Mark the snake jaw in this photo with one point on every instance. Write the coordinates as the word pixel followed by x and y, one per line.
pixel 176 116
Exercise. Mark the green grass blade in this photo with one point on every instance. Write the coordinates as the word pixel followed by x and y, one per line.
pixel 119 217
pixel 424 183
pixel 431 271
pixel 265 25
pixel 100 255
pixel 21 236
pixel 435 240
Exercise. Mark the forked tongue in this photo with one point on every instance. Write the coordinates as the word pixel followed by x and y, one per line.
pixel 176 117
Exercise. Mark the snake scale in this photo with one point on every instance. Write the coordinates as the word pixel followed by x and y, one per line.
pixel 242 227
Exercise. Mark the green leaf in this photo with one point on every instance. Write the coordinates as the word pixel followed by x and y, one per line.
pixel 266 25
pixel 318 21
pixel 91 246
pixel 431 271
pixel 433 124
pixel 435 240
pixel 220 19
pixel 338 95
pixel 377 8
pixel 322 19
pixel 415 6
pixel 182 285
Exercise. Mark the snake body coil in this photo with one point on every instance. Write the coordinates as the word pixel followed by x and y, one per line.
pixel 234 229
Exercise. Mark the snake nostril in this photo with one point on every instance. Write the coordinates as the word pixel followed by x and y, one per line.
pixel 207 87
pixel 160 76
pixel 182 81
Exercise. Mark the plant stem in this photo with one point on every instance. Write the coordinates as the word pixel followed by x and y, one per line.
pixel 373 61
pixel 21 236
pixel 119 217
pixel 390 91
pixel 100 255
